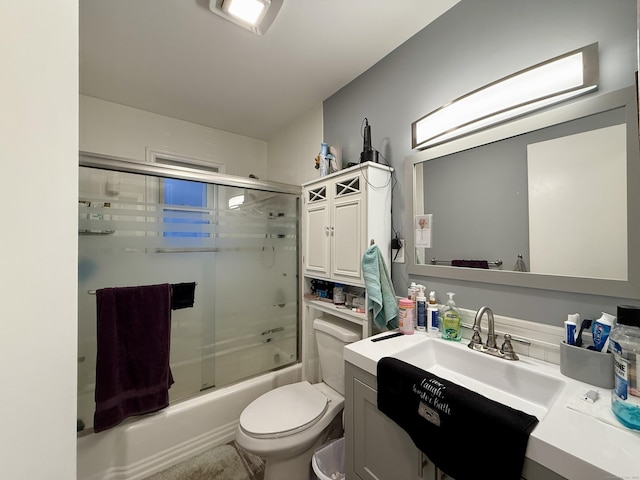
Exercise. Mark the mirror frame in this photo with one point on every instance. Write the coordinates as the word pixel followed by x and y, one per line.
pixel 595 103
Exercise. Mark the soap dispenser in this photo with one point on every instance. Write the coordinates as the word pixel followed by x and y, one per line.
pixel 451 319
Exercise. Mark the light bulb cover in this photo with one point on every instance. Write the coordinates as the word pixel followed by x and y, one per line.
pixel 566 76
pixel 254 15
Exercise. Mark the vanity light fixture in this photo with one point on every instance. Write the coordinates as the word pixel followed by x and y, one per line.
pixel 254 15
pixel 561 78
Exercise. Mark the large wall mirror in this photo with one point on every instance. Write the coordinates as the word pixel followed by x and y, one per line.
pixel 560 189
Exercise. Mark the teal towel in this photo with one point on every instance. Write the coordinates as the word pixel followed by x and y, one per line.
pixel 382 297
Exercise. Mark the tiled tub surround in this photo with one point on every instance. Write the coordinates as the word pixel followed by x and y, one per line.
pixel 570 443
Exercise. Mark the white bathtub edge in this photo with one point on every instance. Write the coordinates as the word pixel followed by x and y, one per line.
pixel 176 454
pixel 138 449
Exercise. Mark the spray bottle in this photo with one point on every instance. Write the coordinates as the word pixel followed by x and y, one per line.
pixel 412 292
pixel 421 304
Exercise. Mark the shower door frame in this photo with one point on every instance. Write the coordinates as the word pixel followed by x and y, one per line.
pixel 150 168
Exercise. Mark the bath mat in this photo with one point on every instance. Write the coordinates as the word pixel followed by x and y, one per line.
pixel 220 463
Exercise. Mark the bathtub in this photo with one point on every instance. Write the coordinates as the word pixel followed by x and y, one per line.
pixel 145 445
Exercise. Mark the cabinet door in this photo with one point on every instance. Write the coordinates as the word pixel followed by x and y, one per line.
pixel 346 239
pixel 382 450
pixel 347 234
pixel 317 232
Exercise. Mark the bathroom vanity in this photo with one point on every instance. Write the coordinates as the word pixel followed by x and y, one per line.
pixel 378 449
pixel 564 444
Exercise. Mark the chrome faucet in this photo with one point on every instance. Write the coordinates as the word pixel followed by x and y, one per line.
pixel 491 347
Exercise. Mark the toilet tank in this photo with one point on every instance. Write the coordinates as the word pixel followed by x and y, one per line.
pixel 331 339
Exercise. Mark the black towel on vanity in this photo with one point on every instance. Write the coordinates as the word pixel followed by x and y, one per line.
pixel 464 434
pixel 132 363
pixel 182 295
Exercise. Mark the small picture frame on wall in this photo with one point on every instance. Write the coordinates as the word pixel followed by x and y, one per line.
pixel 422 227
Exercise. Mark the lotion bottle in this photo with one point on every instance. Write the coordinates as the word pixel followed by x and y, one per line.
pixel 433 314
pixel 421 307
pixel 451 320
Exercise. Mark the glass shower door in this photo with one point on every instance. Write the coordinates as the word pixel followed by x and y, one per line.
pixel 240 247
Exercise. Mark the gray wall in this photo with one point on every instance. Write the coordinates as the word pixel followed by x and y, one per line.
pixel 475 43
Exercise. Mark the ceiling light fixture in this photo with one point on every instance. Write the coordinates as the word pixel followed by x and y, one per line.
pixel 254 15
pixel 567 76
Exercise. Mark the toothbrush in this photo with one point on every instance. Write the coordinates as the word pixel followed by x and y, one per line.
pixel 585 324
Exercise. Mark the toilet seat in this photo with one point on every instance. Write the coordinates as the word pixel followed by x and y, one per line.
pixel 284 411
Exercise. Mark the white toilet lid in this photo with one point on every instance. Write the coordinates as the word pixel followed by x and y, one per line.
pixel 284 411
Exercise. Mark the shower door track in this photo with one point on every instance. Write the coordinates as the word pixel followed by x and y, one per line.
pixel 183 173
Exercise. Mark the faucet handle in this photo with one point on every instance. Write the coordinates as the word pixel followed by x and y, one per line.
pixel 476 334
pixel 476 339
pixel 507 348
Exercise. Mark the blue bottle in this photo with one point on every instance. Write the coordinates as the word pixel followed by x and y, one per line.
pixel 421 304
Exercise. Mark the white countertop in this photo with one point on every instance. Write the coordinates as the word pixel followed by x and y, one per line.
pixel 571 443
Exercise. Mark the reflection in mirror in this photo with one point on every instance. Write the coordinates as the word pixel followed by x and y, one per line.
pixel 553 194
pixel 571 185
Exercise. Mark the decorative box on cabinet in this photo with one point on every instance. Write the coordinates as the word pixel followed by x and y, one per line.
pixel 342 213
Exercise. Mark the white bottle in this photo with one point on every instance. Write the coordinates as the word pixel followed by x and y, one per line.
pixel 421 310
pixel 433 313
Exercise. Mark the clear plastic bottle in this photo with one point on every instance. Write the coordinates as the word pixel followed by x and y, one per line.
pixel 339 297
pixel 324 163
pixel 412 292
pixel 624 343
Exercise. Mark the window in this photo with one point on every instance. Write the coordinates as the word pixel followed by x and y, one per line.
pixel 193 201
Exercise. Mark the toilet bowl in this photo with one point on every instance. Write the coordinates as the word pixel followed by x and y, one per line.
pixel 285 425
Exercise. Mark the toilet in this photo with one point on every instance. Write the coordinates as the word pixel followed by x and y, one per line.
pixel 285 425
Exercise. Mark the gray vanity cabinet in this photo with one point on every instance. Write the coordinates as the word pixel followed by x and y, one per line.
pixel 378 449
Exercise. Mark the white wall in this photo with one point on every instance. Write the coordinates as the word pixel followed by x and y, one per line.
pixel 116 130
pixel 39 124
pixel 292 151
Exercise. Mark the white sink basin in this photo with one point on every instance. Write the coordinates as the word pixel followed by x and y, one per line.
pixel 517 384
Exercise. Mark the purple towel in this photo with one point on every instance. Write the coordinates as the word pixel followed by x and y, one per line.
pixel 470 263
pixel 132 365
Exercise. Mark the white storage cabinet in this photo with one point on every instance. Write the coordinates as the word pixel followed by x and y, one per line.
pixel 343 213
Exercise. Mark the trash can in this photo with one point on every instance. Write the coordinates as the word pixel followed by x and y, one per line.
pixel 328 461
